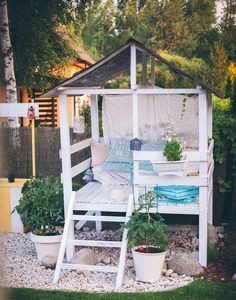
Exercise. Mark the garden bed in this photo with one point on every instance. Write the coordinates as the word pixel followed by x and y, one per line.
pixel 21 268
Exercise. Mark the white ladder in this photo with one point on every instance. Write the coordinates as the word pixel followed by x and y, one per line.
pixel 93 243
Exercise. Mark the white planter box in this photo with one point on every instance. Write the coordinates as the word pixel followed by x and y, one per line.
pixel 164 167
pixel 148 266
pixel 46 245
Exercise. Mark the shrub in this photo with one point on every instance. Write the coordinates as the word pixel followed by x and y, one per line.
pixel 173 150
pixel 212 253
pixel 146 228
pixel 41 205
pixel 232 256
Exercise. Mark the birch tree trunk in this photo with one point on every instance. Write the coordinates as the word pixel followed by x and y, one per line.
pixel 9 74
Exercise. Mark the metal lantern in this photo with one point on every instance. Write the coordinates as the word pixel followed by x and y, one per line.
pixel 88 175
pixel 135 144
pixel 79 124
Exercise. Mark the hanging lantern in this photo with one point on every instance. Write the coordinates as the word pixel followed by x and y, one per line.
pixel 79 124
pixel 135 144
pixel 30 113
pixel 88 176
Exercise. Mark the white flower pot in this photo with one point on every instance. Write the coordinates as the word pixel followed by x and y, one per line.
pixel 46 245
pixel 165 167
pixel 148 266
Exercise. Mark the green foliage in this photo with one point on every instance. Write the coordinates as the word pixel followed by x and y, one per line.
pixel 37 43
pixel 41 205
pixel 224 186
pixel 173 150
pixel 232 256
pixel 212 253
pixel 228 28
pixel 146 228
pixel 224 128
pixel 218 62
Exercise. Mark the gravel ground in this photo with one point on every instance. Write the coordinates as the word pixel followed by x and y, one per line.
pixel 20 267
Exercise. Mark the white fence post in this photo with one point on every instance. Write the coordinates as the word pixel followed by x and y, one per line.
pixel 66 164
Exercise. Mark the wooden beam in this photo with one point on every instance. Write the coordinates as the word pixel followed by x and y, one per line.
pixel 152 80
pixel 209 115
pixel 81 167
pixel 65 150
pixel 79 146
pixel 135 115
pixel 66 164
pixel 157 155
pixel 17 109
pixel 94 118
pixel 144 68
pixel 153 180
pixel 203 193
pixel 133 64
pixel 149 91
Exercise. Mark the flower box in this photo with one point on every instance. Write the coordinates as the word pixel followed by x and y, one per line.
pixel 164 167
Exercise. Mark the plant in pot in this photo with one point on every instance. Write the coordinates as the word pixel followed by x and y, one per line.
pixel 42 212
pixel 148 239
pixel 175 162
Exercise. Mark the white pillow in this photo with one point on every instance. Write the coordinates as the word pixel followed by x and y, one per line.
pixel 99 153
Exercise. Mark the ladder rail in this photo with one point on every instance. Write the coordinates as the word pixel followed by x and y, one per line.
pixel 123 251
pixel 64 237
pixel 70 217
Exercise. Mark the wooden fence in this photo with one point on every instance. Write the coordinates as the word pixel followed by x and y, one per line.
pixel 16 151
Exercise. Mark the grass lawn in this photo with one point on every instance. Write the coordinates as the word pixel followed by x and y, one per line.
pixel 200 289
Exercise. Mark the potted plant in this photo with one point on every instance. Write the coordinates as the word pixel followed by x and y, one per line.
pixel 42 212
pixel 173 162
pixel 148 238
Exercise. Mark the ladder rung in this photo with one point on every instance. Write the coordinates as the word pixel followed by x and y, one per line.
pixel 79 267
pixel 89 243
pixel 97 218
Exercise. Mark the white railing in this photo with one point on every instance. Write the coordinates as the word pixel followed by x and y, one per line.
pixel 142 179
pixel 84 165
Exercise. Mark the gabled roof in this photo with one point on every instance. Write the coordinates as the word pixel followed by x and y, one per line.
pixel 115 64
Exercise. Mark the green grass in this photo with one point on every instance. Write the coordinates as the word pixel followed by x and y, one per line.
pixel 202 290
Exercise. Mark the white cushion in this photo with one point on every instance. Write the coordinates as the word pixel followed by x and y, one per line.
pixel 99 153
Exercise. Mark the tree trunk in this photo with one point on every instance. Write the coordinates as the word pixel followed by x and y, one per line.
pixel 9 74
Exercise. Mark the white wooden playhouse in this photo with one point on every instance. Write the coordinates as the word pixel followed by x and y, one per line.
pixel 143 111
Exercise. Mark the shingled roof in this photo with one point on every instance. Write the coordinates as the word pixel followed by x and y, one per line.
pixel 117 63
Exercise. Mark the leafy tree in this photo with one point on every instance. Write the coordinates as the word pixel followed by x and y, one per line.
pixel 228 28
pixel 201 19
pixel 219 60
pixel 8 62
pixel 173 32
pixel 36 41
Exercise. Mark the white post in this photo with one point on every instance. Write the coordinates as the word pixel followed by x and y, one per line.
pixel 133 62
pixel 209 131
pixel 134 87
pixel 66 164
pixel 152 71
pixel 209 115
pixel 203 191
pixel 94 118
pixel 144 68
pixel 95 136
pixel 135 115
pixel 133 84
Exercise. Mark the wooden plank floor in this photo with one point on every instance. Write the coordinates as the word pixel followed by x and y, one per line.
pixel 97 197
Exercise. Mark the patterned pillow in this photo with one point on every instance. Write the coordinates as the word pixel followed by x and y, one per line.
pixel 119 151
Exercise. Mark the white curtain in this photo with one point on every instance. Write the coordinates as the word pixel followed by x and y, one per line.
pixel 154 111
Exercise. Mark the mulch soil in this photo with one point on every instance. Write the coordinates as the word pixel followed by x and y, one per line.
pixel 220 269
